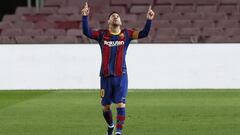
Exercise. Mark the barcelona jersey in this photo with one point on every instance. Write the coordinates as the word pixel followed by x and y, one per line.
pixel 114 46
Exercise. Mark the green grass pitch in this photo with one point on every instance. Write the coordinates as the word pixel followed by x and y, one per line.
pixel 149 112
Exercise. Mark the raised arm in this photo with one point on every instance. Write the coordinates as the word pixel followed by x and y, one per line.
pixel 86 30
pixel 150 15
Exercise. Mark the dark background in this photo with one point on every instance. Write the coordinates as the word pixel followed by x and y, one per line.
pixel 9 6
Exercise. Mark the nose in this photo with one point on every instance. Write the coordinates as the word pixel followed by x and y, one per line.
pixel 115 16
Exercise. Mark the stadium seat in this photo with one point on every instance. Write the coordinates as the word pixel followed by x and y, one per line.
pixel 135 25
pixel 234 16
pixel 24 40
pixel 183 5
pixel 24 11
pixel 74 32
pixel 189 31
pixel 166 31
pixel 6 25
pixel 217 39
pixel 44 39
pixel 159 9
pixel 181 23
pixel 139 9
pixel 47 10
pixel 214 16
pixel 57 17
pixel 182 2
pixel 31 11
pixel 34 18
pixel 185 39
pixel 184 8
pixel 206 8
pixel 142 2
pixel 230 2
pixel 228 8
pixel 106 11
pixel 68 10
pixel 165 39
pixel 6 40
pixel 67 39
pixel 12 32
pixel 45 25
pixel 192 16
pixel 11 18
pixel 144 40
pixel 54 3
pixel 67 24
pixel 232 31
pixel 121 2
pixel 162 24
pixel 141 17
pixel 206 2
pixel 55 32
pixel 212 31
pixel 163 2
pixel 203 23
pixel 99 17
pixel 24 24
pixel 172 16
pixel 86 40
pixel 75 3
pixel 33 32
pixel 74 17
pixel 228 23
pixel 129 17
pixel 234 39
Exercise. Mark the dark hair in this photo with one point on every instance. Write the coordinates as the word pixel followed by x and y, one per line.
pixel 114 12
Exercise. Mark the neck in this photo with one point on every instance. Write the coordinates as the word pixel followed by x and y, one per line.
pixel 115 29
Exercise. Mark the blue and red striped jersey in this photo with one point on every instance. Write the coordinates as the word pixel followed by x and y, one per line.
pixel 114 47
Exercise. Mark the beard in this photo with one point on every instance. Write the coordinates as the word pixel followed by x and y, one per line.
pixel 116 23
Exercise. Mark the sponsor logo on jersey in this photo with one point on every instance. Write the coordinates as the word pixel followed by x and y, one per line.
pixel 113 43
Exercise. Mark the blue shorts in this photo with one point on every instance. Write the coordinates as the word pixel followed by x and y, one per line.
pixel 114 89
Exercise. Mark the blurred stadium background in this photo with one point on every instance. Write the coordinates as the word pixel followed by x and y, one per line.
pixel 177 21
pixel 68 68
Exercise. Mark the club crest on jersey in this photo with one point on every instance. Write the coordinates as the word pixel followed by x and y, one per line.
pixel 113 43
pixel 121 36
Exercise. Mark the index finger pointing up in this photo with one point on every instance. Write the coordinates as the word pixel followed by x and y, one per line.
pixel 86 5
pixel 150 7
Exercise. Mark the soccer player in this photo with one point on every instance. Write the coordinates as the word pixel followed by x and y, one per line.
pixel 114 42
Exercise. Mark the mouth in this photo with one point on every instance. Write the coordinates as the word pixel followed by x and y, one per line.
pixel 115 21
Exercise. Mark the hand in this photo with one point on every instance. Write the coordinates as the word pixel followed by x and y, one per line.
pixel 150 13
pixel 85 10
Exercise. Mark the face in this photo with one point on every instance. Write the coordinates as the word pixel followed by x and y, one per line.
pixel 115 20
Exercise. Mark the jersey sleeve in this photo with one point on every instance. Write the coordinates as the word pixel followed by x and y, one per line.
pixel 133 34
pixel 93 34
pixel 143 33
